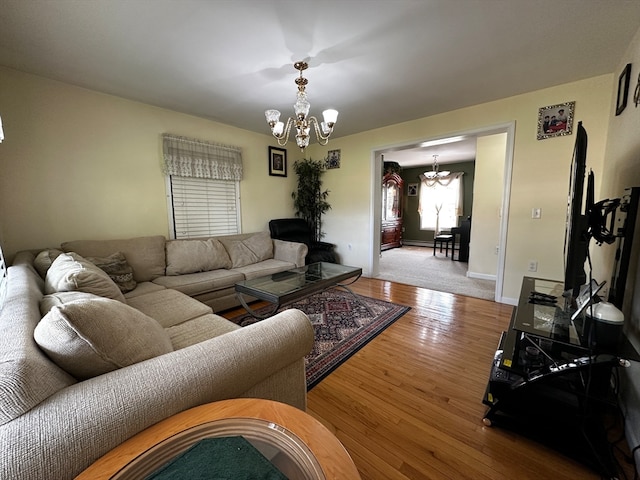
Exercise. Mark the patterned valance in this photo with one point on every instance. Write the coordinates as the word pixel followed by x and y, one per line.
pixel 443 180
pixel 187 157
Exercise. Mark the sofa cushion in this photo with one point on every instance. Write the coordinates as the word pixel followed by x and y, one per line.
pixel 191 256
pixel 91 337
pixel 249 250
pixel 193 284
pixel 44 259
pixel 266 267
pixel 143 288
pixel 169 307
pixel 118 269
pixel 145 254
pixel 71 272
pixel 199 329
pixel 27 375
pixel 60 298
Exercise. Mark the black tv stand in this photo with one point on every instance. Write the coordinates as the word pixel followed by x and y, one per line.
pixel 545 381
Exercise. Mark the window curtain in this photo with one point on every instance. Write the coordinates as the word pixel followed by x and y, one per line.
pixel 441 201
pixel 186 157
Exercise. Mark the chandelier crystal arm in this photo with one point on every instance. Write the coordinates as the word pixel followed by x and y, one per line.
pixel 322 139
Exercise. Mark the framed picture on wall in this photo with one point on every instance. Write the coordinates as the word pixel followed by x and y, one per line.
pixel 623 89
pixel 277 162
pixel 412 190
pixel 333 159
pixel 555 120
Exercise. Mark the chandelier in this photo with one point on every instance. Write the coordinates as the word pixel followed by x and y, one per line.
pixel 435 173
pixel 302 122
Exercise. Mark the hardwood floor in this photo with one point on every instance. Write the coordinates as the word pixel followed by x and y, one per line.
pixel 409 404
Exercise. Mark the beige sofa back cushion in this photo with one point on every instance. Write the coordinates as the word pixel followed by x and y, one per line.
pixel 197 255
pixel 145 254
pixel 71 272
pixel 246 250
pixel 44 259
pixel 60 298
pixel 91 337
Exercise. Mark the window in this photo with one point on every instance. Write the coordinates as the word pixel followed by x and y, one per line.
pixel 203 207
pixel 440 203
pixel 203 187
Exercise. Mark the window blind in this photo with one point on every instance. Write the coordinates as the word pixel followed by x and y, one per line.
pixel 204 207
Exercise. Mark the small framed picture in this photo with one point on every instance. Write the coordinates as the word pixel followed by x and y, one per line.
pixel 333 159
pixel 277 162
pixel 412 189
pixel 555 120
pixel 623 89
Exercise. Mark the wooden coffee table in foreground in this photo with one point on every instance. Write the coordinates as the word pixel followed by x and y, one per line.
pixel 294 441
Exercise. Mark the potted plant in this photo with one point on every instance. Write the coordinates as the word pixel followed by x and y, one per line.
pixel 309 200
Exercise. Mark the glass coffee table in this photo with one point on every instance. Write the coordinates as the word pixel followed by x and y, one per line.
pixel 286 287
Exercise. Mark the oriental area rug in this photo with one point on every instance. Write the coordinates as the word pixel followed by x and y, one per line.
pixel 343 324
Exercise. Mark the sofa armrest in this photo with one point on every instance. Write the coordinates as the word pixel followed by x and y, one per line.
pixel 293 252
pixel 82 422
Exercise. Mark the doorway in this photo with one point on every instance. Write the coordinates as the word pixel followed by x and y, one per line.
pixel 503 207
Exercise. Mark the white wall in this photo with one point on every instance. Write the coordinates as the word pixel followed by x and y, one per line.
pixel 540 175
pixel 80 164
pixel 77 164
pixel 487 205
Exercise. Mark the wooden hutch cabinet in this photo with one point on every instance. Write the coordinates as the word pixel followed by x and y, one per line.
pixel 392 186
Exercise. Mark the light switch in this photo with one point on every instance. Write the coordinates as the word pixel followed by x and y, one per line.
pixel 536 213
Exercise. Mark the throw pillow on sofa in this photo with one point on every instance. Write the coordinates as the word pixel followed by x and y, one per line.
pixel 251 250
pixel 71 272
pixel 116 266
pixel 60 298
pixel 191 256
pixel 90 337
pixel 44 259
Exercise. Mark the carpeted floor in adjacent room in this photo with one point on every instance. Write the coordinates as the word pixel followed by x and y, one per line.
pixel 419 267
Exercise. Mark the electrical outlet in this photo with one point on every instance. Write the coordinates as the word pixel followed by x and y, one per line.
pixel 533 266
pixel 497 250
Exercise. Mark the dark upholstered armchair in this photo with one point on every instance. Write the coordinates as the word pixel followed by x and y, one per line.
pixel 297 230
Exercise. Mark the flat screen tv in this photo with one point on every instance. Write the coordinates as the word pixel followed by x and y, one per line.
pixel 576 246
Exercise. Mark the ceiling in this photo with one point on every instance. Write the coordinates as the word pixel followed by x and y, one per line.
pixel 378 62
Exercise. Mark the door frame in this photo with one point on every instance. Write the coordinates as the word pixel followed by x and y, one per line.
pixel 376 195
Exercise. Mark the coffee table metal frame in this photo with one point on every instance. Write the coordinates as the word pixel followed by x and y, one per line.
pixel 286 287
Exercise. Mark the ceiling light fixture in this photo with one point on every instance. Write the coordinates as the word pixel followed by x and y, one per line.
pixel 435 172
pixel 442 141
pixel 301 122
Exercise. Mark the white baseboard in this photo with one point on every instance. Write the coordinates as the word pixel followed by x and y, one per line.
pixel 417 243
pixel 481 276
pixel 509 301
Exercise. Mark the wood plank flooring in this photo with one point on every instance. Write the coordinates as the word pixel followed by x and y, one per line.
pixel 409 404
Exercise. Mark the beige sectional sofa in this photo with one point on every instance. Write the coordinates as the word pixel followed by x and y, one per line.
pixel 90 356
pixel 206 268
